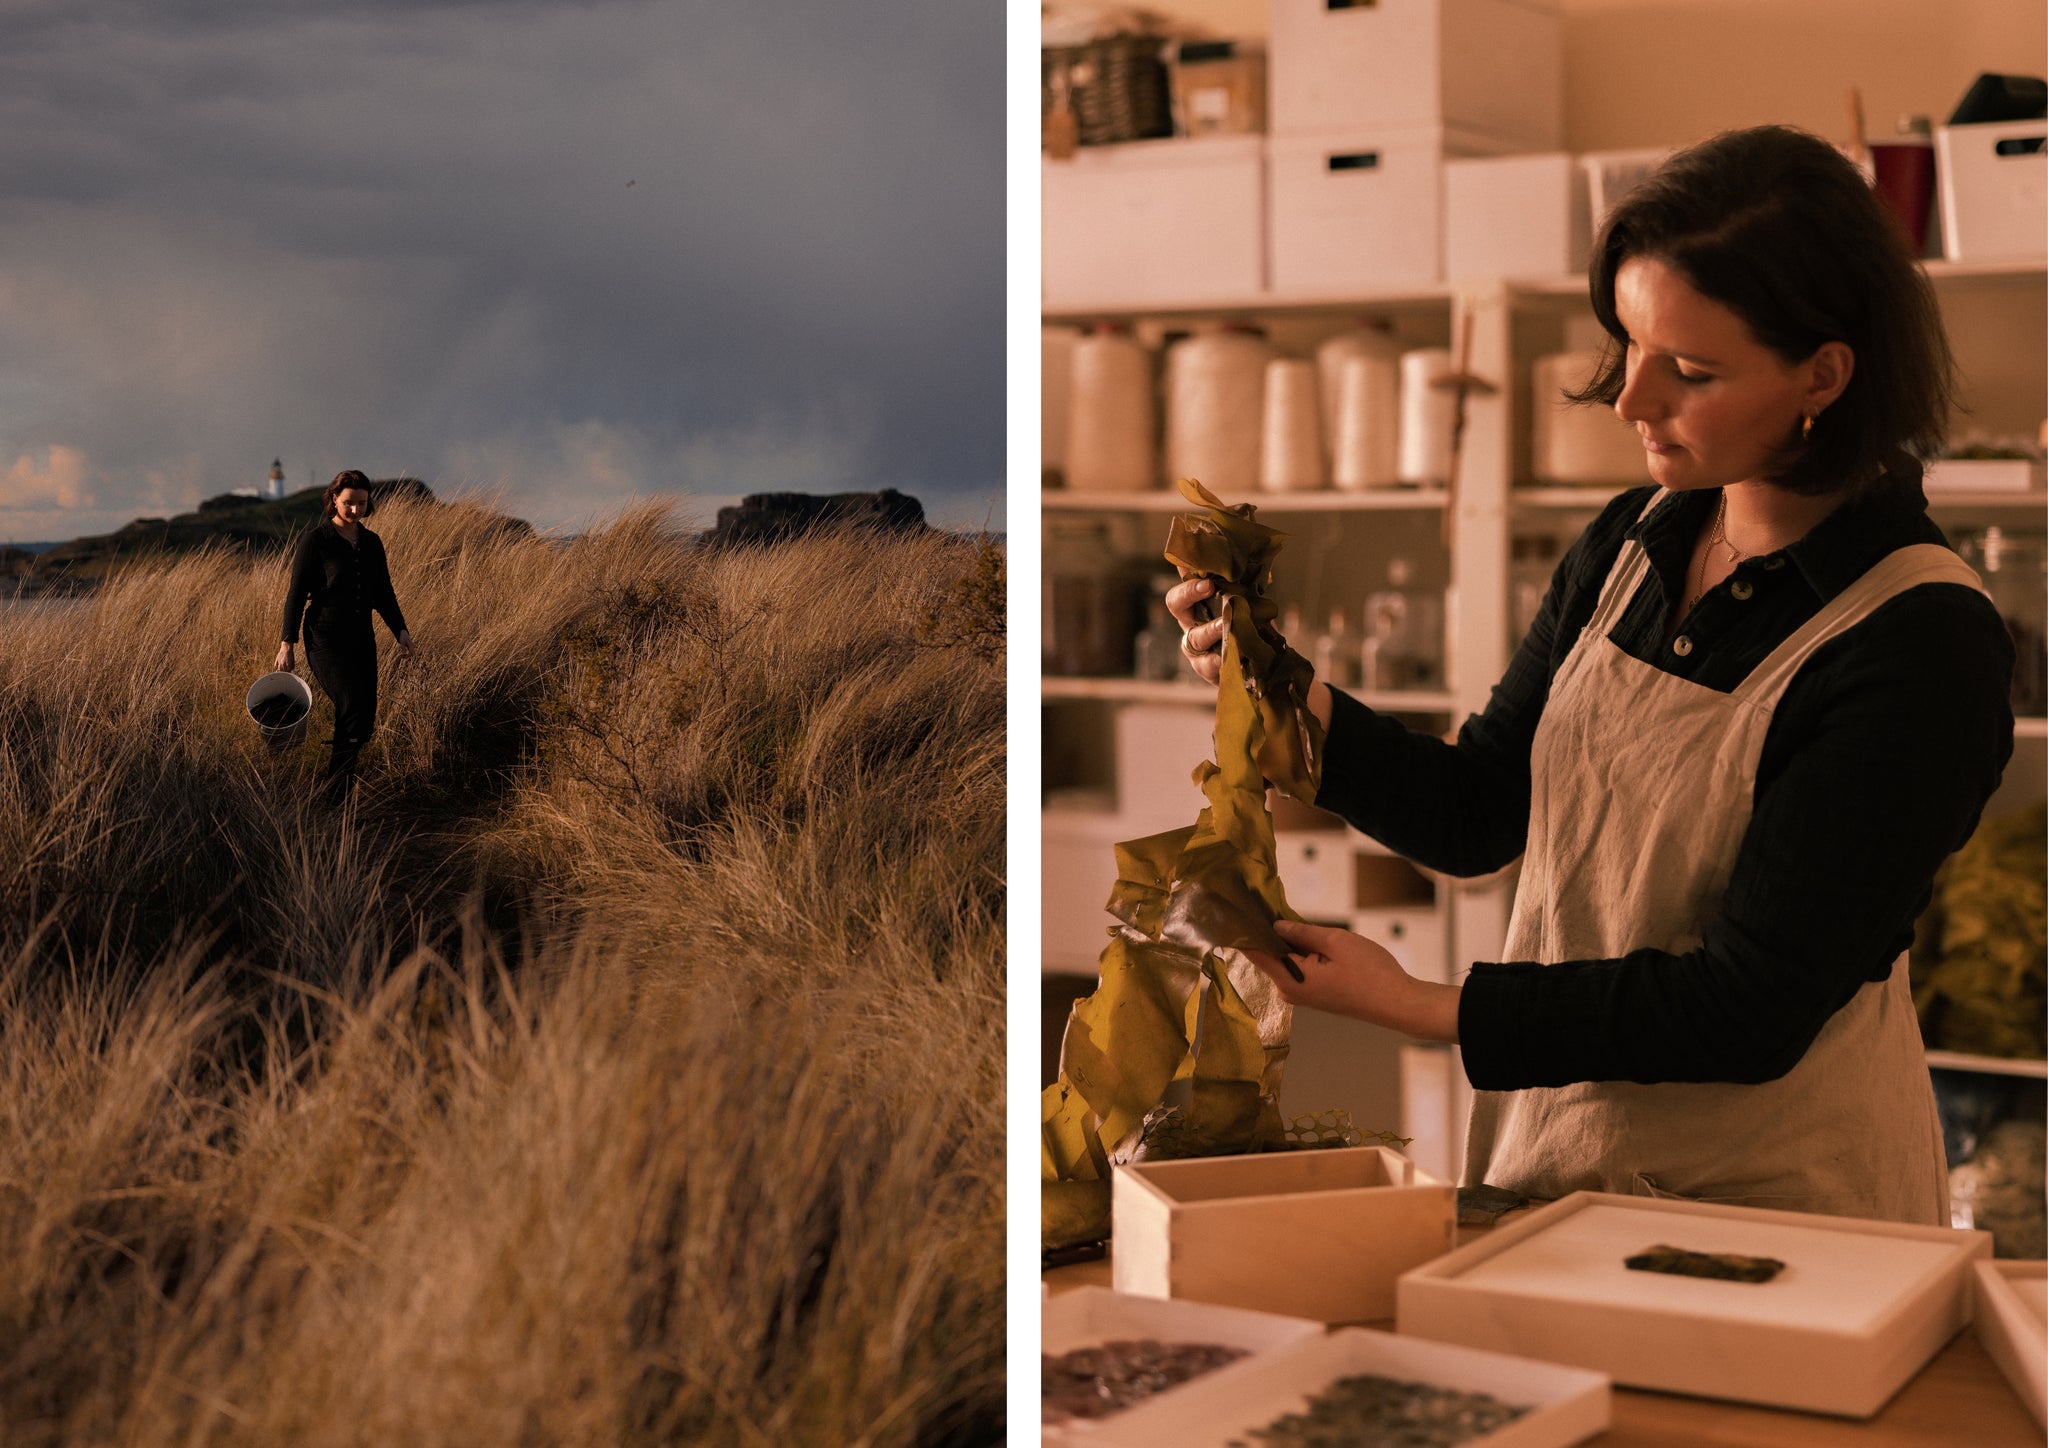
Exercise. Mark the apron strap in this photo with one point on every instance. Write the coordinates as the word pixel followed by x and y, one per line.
pixel 1631 566
pixel 1897 571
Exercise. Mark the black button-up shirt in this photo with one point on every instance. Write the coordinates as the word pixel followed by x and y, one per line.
pixel 1875 766
pixel 342 582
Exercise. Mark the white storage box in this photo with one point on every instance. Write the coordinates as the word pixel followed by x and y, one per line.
pixel 1566 1405
pixel 1154 221
pixel 1982 475
pixel 1091 1316
pixel 1611 175
pixel 1317 869
pixel 1415 938
pixel 2012 1321
pixel 1514 216
pixel 1487 65
pixel 1860 1307
pixel 1359 211
pixel 1993 181
pixel 1320 1233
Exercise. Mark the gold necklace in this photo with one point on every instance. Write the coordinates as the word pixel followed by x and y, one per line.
pixel 1717 535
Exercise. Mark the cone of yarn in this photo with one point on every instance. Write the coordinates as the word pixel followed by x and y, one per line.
pixel 1110 417
pixel 1367 450
pixel 1215 409
pixel 1056 389
pixel 1573 442
pixel 1291 452
pixel 1426 414
pixel 1374 344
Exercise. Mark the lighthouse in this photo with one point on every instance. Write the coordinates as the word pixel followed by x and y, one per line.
pixel 276 488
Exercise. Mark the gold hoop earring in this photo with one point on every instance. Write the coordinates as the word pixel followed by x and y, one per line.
pixel 1806 428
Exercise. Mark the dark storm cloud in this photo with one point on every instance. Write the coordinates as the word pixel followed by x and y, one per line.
pixel 402 236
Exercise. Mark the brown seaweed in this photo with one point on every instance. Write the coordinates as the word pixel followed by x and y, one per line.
pixel 1093 1382
pixel 1367 1408
pixel 1720 1266
pixel 1178 1051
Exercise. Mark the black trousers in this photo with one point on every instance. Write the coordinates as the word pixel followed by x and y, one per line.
pixel 343 658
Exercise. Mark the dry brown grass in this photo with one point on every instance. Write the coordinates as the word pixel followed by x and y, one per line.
pixel 623 1066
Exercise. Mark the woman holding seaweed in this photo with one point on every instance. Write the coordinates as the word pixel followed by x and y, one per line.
pixel 339 575
pixel 1761 703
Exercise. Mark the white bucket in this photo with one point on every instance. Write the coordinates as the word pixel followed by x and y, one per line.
pixel 280 685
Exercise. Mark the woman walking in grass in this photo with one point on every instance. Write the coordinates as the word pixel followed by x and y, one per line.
pixel 341 572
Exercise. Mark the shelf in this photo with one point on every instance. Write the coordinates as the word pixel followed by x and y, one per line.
pixel 1154 691
pixel 1986 498
pixel 1167 500
pixel 1987 1065
pixel 1573 285
pixel 1262 304
pixel 1569 286
pixel 1590 496
pixel 2026 728
pixel 2008 270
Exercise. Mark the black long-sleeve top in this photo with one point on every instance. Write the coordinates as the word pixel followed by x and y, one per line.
pixel 342 582
pixel 1875 766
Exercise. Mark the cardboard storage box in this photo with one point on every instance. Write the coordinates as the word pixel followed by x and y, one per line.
pixel 2012 1321
pixel 1514 216
pixel 1566 1405
pixel 1359 211
pixel 1089 1316
pixel 1487 65
pixel 1993 184
pixel 1860 1307
pixel 1154 221
pixel 1320 1234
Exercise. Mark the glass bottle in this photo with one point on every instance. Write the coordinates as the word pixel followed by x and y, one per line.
pixel 1336 653
pixel 1155 652
pixel 1090 610
pixel 2012 570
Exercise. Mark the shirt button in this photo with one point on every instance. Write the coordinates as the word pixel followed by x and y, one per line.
pixel 1741 590
pixel 1681 646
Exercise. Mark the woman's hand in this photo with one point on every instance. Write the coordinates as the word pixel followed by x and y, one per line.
pixel 1201 637
pixel 1351 976
pixel 405 643
pixel 283 662
pixel 1202 640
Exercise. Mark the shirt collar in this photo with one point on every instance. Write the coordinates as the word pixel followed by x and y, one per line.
pixel 1833 554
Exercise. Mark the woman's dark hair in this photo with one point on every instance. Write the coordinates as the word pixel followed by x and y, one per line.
pixel 343 481
pixel 1775 225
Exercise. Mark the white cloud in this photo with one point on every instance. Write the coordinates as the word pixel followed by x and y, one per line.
pixel 58 481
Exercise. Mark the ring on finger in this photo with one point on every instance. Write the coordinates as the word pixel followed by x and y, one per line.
pixel 1187 645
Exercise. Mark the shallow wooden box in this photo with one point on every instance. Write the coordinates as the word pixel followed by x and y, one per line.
pixel 1087 1316
pixel 1320 1234
pixel 1568 1405
pixel 2012 1321
pixel 1859 1309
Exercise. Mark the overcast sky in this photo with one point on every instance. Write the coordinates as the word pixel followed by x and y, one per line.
pixel 575 251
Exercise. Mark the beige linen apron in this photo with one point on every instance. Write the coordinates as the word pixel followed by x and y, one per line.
pixel 1642 788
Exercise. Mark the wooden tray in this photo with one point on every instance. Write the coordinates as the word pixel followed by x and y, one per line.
pixel 1318 1234
pixel 1569 1405
pixel 2012 1320
pixel 1086 1316
pixel 1860 1307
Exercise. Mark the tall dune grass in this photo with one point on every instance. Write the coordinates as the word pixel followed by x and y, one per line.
pixel 622 1065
